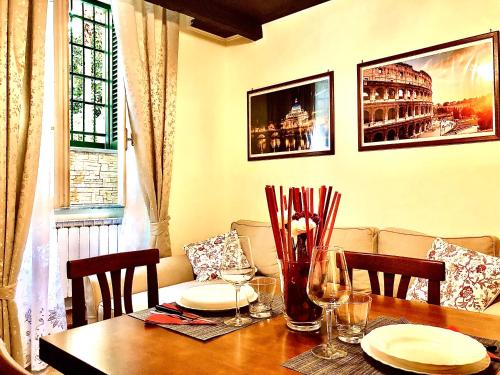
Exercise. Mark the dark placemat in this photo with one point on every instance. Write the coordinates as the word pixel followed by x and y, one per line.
pixel 207 332
pixel 357 362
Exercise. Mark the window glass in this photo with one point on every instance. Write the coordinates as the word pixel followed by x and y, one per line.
pixel 91 74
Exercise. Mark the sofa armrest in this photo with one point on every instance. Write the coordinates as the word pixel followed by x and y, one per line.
pixel 493 309
pixel 171 270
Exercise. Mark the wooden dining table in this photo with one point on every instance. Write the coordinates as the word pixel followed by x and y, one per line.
pixel 124 345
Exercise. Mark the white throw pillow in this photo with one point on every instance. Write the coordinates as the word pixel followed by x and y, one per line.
pixel 206 256
pixel 472 278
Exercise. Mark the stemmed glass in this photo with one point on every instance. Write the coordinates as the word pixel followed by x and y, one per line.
pixel 328 286
pixel 237 268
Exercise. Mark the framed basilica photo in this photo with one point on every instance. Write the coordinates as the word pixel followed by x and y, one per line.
pixel 291 119
pixel 444 94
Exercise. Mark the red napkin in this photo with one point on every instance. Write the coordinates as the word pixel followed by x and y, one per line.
pixel 172 319
pixel 184 317
pixel 185 313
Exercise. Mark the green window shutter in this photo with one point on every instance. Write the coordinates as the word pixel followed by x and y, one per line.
pixel 114 90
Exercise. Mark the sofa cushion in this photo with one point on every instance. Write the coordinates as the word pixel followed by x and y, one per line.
pixel 394 241
pixel 359 239
pixel 206 256
pixel 472 278
pixel 262 242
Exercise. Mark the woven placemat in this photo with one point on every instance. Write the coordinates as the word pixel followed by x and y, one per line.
pixel 207 332
pixel 356 361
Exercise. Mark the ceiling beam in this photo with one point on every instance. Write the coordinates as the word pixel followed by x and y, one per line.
pixel 212 28
pixel 212 13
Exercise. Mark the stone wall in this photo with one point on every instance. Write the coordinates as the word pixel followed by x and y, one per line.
pixel 93 177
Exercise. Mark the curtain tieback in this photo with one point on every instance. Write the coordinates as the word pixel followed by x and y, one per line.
pixel 160 227
pixel 8 292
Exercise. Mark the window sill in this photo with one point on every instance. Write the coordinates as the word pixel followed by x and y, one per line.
pixel 78 213
pixel 93 150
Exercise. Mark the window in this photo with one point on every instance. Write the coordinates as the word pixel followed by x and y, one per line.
pixel 93 76
pixel 93 105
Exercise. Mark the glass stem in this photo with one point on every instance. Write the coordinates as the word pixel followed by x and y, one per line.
pixel 329 324
pixel 237 315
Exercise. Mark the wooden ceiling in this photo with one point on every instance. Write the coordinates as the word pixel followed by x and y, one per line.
pixel 227 18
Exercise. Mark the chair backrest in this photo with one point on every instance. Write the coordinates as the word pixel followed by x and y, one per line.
pixel 390 265
pixel 7 364
pixel 114 264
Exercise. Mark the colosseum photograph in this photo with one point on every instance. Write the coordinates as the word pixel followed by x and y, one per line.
pixel 438 95
pixel 291 119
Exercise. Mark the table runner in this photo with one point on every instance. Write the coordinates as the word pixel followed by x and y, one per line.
pixel 357 362
pixel 207 332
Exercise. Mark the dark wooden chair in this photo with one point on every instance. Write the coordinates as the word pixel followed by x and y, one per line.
pixel 391 265
pixel 114 264
pixel 7 364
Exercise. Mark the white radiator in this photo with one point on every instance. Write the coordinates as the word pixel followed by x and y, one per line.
pixel 83 239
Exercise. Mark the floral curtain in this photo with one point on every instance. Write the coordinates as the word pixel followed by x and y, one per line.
pixel 148 44
pixel 39 295
pixel 22 39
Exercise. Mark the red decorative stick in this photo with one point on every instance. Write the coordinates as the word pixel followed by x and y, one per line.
pixel 289 234
pixel 274 221
pixel 327 205
pixel 327 221
pixel 274 198
pixel 321 207
pixel 305 193
pixel 283 236
pixel 297 201
pixel 311 199
pixel 337 202
pixel 310 236
pixel 302 193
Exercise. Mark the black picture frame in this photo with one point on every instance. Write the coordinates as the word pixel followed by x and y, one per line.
pixel 417 98
pixel 291 119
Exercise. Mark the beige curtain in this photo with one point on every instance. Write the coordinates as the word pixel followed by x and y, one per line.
pixel 22 38
pixel 148 37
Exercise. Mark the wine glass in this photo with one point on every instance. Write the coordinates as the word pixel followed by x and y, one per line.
pixel 237 268
pixel 328 286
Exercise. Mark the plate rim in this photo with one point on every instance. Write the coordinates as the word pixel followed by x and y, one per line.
pixel 484 363
pixel 444 330
pixel 365 346
pixel 183 305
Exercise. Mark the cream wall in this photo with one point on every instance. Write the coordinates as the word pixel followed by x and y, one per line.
pixel 445 190
pixel 197 196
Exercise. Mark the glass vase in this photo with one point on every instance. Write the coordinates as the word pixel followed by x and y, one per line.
pixel 300 313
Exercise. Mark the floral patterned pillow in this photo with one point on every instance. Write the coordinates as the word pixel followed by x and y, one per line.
pixel 206 256
pixel 472 278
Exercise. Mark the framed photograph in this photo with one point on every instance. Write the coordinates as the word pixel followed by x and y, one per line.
pixel 291 119
pixel 444 94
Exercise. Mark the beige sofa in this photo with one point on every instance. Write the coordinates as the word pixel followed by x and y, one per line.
pixel 175 273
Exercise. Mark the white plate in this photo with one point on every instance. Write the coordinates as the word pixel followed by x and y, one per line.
pixel 215 297
pixel 426 344
pixel 368 350
pixel 421 368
